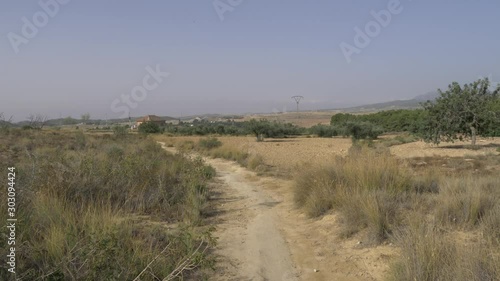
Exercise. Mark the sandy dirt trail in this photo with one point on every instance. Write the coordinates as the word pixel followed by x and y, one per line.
pixel 251 245
pixel 262 236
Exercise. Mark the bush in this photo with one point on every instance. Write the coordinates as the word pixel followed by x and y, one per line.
pixel 149 128
pixel 326 131
pixel 356 129
pixel 362 130
pixel 120 131
pixel 209 143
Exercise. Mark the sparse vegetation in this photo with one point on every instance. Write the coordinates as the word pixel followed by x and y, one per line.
pixel 103 208
pixel 447 225
pixel 209 143
pixel 120 131
pixel 213 147
pixel 366 187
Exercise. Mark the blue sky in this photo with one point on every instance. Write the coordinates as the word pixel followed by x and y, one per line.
pixel 262 53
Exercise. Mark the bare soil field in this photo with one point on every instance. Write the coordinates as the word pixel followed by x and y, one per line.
pixel 284 155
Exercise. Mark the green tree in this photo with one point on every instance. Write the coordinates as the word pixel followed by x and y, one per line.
pixel 461 112
pixel 342 118
pixel 85 118
pixel 258 128
pixel 149 128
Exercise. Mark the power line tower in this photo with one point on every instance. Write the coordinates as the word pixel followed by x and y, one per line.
pixel 297 100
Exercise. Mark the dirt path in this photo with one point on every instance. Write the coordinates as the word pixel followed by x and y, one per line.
pixel 251 246
pixel 261 236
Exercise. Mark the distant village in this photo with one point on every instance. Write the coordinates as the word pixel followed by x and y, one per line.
pixel 162 121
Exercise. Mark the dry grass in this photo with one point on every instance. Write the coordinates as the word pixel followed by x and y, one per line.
pixel 464 201
pixel 367 188
pixel 442 209
pixel 446 226
pixel 430 252
pixel 80 198
pixel 215 148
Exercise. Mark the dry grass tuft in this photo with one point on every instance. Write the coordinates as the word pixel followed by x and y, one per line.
pixel 368 188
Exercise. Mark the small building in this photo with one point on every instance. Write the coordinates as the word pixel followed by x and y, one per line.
pixel 150 118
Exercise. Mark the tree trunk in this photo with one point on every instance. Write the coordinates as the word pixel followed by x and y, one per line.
pixel 473 133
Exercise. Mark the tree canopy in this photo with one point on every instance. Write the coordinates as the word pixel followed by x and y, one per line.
pixel 462 112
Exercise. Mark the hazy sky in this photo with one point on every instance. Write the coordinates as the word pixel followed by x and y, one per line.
pixel 247 56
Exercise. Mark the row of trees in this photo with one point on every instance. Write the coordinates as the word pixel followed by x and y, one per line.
pixel 412 121
pixel 460 112
pixel 259 128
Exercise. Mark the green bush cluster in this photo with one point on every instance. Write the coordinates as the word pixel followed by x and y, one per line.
pixel 149 128
pixel 402 120
pixel 356 129
pixel 262 127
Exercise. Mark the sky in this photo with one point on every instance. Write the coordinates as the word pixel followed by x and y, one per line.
pixel 184 57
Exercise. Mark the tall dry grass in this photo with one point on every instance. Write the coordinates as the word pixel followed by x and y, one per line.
pixel 99 207
pixel 446 226
pixel 368 188
pixel 430 251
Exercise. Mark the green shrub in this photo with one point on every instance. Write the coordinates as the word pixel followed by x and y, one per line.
pixel 209 143
pixel 120 131
pixel 326 131
pixel 362 130
pixel 149 128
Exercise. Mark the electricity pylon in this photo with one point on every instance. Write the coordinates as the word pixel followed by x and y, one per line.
pixel 297 100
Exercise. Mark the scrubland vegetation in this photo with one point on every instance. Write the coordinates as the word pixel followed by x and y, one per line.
pixel 104 208
pixel 447 226
pixel 212 147
pixel 118 207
